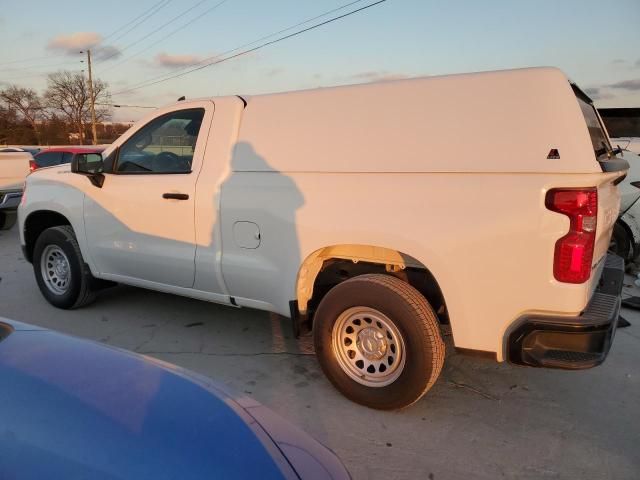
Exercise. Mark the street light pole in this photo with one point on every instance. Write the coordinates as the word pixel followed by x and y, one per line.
pixel 92 101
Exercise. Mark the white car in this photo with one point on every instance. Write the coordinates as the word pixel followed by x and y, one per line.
pixel 372 213
pixel 623 126
pixel 14 168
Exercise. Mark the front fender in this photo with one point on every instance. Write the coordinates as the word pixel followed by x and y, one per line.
pixel 43 193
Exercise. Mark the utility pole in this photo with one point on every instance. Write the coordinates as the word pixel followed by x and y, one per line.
pixel 92 100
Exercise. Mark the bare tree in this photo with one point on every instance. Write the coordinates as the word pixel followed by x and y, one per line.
pixel 27 102
pixel 68 94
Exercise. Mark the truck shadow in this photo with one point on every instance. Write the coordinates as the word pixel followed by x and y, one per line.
pixel 261 249
pixel 255 219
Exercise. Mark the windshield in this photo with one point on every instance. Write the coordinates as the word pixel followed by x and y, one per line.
pixel 621 122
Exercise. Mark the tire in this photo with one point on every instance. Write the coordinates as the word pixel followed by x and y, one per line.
pixel 621 243
pixel 387 307
pixel 7 219
pixel 62 276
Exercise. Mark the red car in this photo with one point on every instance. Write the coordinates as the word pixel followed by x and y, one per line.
pixel 59 155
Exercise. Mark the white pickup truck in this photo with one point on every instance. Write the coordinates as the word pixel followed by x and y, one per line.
pixel 375 214
pixel 14 168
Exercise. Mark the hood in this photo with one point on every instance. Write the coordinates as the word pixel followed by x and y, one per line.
pixel 77 409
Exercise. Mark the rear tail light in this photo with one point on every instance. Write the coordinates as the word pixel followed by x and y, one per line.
pixel 574 252
pixel 33 166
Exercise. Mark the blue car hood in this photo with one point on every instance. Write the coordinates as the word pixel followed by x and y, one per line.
pixel 74 409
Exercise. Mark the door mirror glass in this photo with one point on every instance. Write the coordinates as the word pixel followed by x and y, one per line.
pixel 87 163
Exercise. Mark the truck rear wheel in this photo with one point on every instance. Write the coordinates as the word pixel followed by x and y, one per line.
pixel 378 341
pixel 621 243
pixel 62 276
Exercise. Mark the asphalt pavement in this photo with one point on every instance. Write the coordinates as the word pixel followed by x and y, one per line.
pixel 482 420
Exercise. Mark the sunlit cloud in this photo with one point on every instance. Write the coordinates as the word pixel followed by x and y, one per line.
pixel 175 61
pixel 378 76
pixel 633 85
pixel 74 42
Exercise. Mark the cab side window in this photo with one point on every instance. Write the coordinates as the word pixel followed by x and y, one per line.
pixel 164 145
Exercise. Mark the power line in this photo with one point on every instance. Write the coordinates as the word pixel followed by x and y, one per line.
pixel 152 81
pixel 32 68
pixel 118 105
pixel 33 59
pixel 25 76
pixel 250 50
pixel 155 9
pixel 39 75
pixel 137 18
pixel 166 36
pixel 153 31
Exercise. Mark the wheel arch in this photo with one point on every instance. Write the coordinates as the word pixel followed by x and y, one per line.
pixel 629 222
pixel 330 265
pixel 36 223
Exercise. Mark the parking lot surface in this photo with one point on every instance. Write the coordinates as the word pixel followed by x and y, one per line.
pixel 481 420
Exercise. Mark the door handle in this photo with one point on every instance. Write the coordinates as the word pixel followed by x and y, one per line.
pixel 176 196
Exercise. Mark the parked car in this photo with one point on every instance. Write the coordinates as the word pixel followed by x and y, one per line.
pixel 625 240
pixel 376 213
pixel 59 155
pixel 79 409
pixel 623 126
pixel 31 150
pixel 14 168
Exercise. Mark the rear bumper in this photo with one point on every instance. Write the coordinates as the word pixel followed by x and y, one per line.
pixel 571 342
pixel 10 200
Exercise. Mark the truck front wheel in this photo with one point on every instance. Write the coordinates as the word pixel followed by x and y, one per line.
pixel 62 276
pixel 378 341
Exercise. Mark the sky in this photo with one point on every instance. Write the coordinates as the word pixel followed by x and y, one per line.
pixel 597 44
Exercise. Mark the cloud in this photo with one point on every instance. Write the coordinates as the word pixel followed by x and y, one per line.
pixel 618 61
pixel 597 93
pixel 108 52
pixel 274 71
pixel 175 61
pixel 627 84
pixel 637 63
pixel 74 42
pixel 378 76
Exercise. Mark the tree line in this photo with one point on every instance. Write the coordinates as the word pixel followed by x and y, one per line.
pixel 58 116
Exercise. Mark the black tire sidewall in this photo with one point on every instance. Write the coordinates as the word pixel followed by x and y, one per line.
pixel 56 236
pixel 623 241
pixel 412 382
pixel 7 219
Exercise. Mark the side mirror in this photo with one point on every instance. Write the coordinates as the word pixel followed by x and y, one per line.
pixel 90 165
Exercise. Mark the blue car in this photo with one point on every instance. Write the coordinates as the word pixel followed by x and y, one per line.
pixel 74 409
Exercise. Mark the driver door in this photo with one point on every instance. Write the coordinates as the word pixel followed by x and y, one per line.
pixel 140 224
